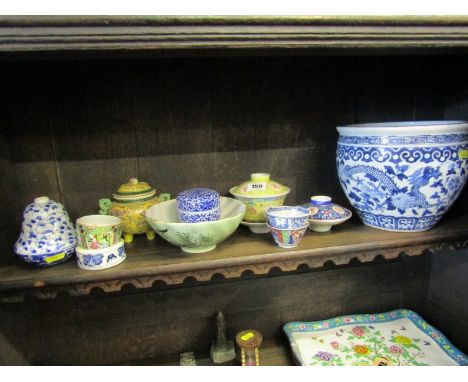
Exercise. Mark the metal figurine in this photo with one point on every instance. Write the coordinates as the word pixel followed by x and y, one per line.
pixel 222 350
pixel 249 342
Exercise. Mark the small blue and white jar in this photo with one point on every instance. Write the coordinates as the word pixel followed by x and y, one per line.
pixel 47 234
pixel 324 214
pixel 403 176
pixel 286 217
pixel 198 205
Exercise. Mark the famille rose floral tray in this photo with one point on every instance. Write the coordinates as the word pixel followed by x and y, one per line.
pixel 400 337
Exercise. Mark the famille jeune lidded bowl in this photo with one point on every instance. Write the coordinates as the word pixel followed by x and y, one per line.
pixel 258 194
pixel 195 237
pixel 403 176
pixel 47 234
pixel 129 203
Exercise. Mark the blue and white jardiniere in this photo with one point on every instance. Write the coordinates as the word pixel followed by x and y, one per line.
pixel 403 176
pixel 101 258
pixel 286 217
pixel 47 234
pixel 324 214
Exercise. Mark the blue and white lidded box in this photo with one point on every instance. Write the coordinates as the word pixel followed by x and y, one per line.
pixel 198 205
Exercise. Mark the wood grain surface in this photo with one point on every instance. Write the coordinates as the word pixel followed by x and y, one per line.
pixel 151 261
pixel 37 36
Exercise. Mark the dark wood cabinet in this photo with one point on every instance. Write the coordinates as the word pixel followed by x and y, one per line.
pixel 89 102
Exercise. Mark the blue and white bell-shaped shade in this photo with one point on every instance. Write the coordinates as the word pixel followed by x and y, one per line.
pixel 324 214
pixel 47 235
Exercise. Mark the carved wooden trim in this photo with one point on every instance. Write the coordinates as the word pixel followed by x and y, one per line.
pixel 232 272
pixel 79 34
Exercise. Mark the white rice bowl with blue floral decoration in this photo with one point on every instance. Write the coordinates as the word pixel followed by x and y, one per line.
pixel 403 176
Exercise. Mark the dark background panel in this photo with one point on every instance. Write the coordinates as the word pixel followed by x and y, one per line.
pixel 27 128
pixel 79 129
pixel 447 296
pixel 93 132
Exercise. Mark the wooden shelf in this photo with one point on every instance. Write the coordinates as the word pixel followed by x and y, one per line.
pixel 153 261
pixel 272 353
pixel 130 33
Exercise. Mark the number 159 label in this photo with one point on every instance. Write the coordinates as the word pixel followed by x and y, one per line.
pixel 258 186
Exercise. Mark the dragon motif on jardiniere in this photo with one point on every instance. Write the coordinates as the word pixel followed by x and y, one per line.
pixel 388 192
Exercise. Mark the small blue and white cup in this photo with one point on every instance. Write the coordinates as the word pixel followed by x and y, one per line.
pixel 286 217
pixel 198 205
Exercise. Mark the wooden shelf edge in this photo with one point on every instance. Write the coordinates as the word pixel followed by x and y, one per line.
pixel 79 34
pixel 146 273
pixel 145 20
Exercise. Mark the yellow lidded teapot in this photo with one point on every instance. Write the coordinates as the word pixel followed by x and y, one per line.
pixel 129 204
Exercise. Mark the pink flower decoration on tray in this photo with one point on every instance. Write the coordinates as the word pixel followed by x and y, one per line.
pixel 358 330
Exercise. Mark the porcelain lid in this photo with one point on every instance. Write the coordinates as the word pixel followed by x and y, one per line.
pixel 322 208
pixel 134 190
pixel 259 185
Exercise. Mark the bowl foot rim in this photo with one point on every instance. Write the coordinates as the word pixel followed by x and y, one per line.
pixel 259 230
pixel 320 228
pixel 287 246
pixel 198 249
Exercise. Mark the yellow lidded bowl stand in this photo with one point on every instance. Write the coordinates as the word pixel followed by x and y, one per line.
pixel 129 203
pixel 258 194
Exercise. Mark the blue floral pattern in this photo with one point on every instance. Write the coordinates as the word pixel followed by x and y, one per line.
pixel 396 187
pixel 46 260
pixel 197 217
pixel 107 258
pixel 197 200
pixel 46 232
pixel 329 211
pixel 92 260
pixel 277 218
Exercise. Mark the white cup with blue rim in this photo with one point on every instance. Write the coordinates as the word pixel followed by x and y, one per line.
pixel 287 217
